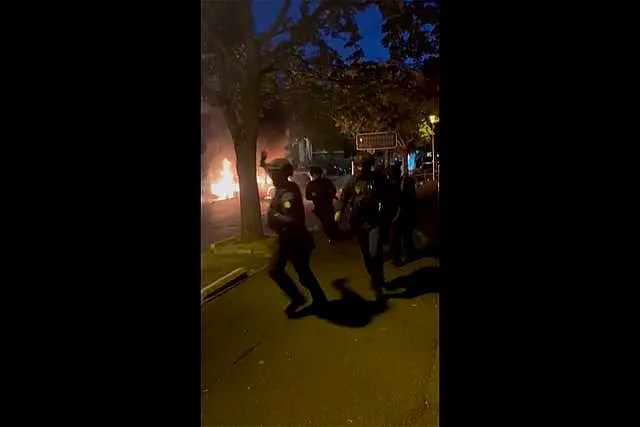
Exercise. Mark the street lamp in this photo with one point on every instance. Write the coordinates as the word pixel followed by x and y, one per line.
pixel 433 119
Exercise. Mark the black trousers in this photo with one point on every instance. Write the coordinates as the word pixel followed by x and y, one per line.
pixel 329 224
pixel 300 258
pixel 402 233
pixel 371 240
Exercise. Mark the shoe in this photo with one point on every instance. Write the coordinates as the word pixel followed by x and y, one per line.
pixel 293 306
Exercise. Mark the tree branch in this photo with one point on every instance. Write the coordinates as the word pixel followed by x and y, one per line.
pixel 303 21
pixel 277 23
pixel 222 54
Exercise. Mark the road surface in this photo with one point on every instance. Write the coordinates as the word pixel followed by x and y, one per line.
pixel 221 220
pixel 359 364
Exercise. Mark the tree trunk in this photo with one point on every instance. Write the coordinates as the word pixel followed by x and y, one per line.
pixel 244 128
pixel 250 215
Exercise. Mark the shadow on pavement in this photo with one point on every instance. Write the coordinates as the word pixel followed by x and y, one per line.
pixel 427 251
pixel 351 310
pixel 426 280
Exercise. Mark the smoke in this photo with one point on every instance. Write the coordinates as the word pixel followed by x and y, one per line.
pixel 273 133
pixel 217 141
pixel 273 143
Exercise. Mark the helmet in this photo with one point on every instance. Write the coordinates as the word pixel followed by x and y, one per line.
pixel 279 167
pixel 279 164
pixel 363 159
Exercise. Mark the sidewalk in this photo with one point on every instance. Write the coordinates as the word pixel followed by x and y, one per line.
pixel 230 255
pixel 359 365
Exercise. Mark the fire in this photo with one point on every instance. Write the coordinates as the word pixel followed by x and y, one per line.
pixel 226 187
pixel 264 180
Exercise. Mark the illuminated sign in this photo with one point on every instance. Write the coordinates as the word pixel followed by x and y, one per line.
pixel 376 141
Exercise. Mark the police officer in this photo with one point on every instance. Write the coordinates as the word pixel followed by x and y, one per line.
pixel 404 188
pixel 395 180
pixel 287 218
pixel 368 195
pixel 322 193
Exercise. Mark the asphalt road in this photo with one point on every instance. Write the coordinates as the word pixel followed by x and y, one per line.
pixel 357 365
pixel 221 220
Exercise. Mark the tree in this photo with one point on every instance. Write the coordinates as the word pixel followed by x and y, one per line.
pixel 411 29
pixel 385 96
pixel 394 95
pixel 243 71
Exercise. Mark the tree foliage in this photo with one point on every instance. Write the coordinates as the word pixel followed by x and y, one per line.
pixel 291 67
pixel 410 28
pixel 392 95
pixel 387 96
pixel 245 73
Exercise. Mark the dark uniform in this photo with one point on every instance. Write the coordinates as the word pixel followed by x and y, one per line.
pixel 403 225
pixel 368 195
pixel 322 193
pixel 395 186
pixel 287 218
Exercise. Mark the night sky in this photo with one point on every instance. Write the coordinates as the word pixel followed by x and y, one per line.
pixel 219 145
pixel 369 23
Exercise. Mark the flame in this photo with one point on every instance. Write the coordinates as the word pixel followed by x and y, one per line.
pixel 226 187
pixel 264 180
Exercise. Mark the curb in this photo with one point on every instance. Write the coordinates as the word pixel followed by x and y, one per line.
pixel 242 251
pixel 212 246
pixel 221 251
pixel 223 283
pixel 227 282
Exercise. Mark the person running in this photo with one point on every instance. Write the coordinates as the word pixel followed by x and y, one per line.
pixel 286 217
pixel 368 195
